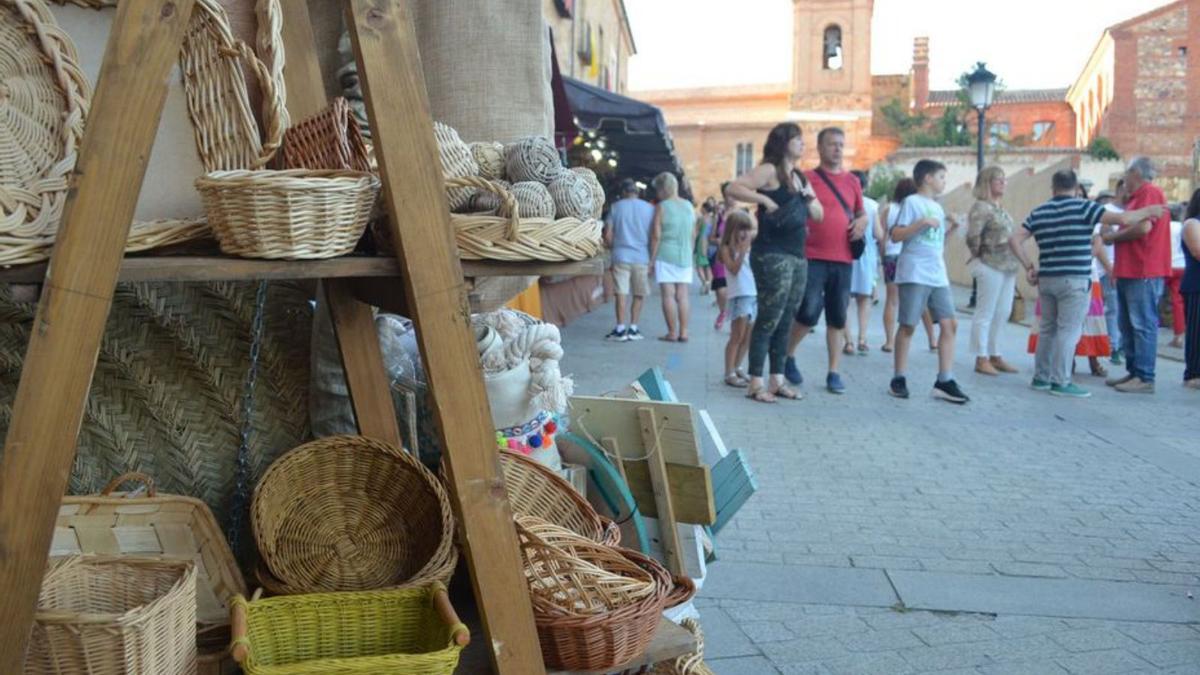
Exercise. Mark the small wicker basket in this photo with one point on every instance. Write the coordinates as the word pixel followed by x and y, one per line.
pixel 534 490
pixel 330 139
pixel 350 513
pixel 412 631
pixel 295 214
pixel 111 616
pixel 505 235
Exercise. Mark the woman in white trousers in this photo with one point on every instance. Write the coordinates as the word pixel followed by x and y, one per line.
pixel 994 267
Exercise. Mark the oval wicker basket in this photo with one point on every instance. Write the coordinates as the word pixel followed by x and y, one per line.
pixel 507 236
pixel 534 490
pixel 109 616
pixel 349 513
pixel 295 214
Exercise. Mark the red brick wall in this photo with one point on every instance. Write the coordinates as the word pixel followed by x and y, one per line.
pixel 1022 116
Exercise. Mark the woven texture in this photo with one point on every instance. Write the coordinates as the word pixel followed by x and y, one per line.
pixel 532 159
pixel 291 215
pixel 508 236
pixel 533 200
pixel 484 201
pixel 490 158
pixel 370 632
pixel 572 196
pixel 165 396
pixel 115 616
pixel 165 526
pixel 331 139
pixel 598 196
pixel 457 162
pixel 534 490
pixel 688 664
pixel 348 513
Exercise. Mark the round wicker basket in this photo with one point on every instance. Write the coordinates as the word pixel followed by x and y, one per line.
pixel 508 236
pixel 349 513
pixel 534 490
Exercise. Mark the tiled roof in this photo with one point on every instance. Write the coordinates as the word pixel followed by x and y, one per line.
pixel 949 96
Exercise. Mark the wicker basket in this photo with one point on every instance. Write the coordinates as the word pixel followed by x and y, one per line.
pixel 507 236
pixel 165 527
pixel 110 616
pixel 534 490
pixel 412 631
pixel 331 139
pixel 349 513
pixel 296 214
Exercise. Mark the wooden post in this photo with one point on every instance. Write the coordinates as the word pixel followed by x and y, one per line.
pixel 76 298
pixel 667 532
pixel 362 361
pixel 389 66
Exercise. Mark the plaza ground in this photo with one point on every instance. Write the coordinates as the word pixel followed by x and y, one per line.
pixel 1021 533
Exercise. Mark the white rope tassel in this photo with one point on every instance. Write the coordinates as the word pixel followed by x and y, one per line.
pixel 542 345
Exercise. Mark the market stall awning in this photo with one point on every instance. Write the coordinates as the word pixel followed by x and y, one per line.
pixel 636 131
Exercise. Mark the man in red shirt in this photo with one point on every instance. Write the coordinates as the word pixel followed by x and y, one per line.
pixel 1143 263
pixel 829 257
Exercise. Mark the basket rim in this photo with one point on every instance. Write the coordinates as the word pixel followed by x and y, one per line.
pixel 59 617
pixel 212 177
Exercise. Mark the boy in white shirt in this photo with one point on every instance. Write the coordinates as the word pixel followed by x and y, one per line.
pixel 923 281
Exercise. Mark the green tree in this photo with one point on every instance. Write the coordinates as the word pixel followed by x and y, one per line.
pixel 951 128
pixel 1102 148
pixel 883 182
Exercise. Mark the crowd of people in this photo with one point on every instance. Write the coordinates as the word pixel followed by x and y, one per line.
pixel 814 244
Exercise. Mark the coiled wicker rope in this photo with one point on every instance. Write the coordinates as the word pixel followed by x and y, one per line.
pixel 533 200
pixel 347 513
pixel 598 196
pixel 490 158
pixel 457 162
pixel 572 196
pixel 509 236
pixel 533 159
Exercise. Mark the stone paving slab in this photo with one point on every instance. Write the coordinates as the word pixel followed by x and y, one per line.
pixel 795 584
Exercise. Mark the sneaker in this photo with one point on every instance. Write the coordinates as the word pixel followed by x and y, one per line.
pixel 791 372
pixel 1040 385
pixel 949 391
pixel 617 336
pixel 833 382
pixel 1193 383
pixel 1117 381
pixel 1070 390
pixel 1116 358
pixel 898 387
pixel 1135 385
pixel 634 334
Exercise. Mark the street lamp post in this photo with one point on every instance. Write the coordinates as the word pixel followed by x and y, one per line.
pixel 981 86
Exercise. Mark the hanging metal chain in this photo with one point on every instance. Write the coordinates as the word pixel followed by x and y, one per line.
pixel 240 503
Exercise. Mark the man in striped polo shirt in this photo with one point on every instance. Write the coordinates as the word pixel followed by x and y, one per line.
pixel 1063 230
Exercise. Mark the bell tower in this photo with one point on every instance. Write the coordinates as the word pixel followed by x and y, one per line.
pixel 831 63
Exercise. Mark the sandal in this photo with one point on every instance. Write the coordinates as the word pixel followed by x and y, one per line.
pixel 682 338
pixel 848 349
pixel 761 395
pixel 736 381
pixel 863 348
pixel 787 392
pixel 1099 370
pixel 668 338
pixel 886 348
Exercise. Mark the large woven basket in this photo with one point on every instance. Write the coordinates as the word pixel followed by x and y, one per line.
pixel 111 616
pixel 166 527
pixel 349 513
pixel 295 214
pixel 412 631
pixel 505 235
pixel 534 490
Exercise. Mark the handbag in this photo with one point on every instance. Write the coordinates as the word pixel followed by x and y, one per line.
pixel 794 213
pixel 857 246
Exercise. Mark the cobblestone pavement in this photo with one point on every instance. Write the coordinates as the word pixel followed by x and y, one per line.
pixel 1021 533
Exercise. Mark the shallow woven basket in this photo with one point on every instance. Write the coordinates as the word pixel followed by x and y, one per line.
pixel 111 616
pixel 507 236
pixel 349 513
pixel 410 631
pixel 291 215
pixel 534 490
pixel 331 139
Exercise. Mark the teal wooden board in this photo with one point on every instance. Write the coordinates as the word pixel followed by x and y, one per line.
pixel 608 484
pixel 656 386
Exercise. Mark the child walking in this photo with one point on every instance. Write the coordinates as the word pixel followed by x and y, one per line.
pixel 734 254
pixel 923 281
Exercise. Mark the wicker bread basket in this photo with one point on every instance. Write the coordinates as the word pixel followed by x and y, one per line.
pixel 534 490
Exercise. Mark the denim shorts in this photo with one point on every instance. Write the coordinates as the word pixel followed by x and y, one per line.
pixel 915 298
pixel 828 290
pixel 743 305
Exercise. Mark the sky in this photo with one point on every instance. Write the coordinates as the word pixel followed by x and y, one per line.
pixel 1031 44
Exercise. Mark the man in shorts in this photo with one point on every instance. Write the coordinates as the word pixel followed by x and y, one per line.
pixel 627 233
pixel 829 257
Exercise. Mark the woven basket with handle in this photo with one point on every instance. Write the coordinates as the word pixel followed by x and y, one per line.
pixel 331 139
pixel 534 490
pixel 505 235
pixel 111 616
pixel 348 513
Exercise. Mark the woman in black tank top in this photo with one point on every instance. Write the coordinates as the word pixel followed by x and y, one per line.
pixel 777 255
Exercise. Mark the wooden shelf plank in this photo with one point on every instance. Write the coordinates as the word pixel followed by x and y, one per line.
pixel 218 268
pixel 670 642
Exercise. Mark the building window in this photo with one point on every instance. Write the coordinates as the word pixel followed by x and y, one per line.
pixel 743 158
pixel 999 134
pixel 832 50
pixel 1183 52
pixel 1042 130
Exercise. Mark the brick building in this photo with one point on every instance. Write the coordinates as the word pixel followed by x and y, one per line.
pixel 1134 90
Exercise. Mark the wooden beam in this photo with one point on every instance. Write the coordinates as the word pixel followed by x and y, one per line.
pixel 362 360
pixel 667 532
pixel 302 70
pixel 389 65
pixel 76 298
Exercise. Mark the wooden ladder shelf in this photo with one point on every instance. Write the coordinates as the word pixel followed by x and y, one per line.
pixel 87 262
